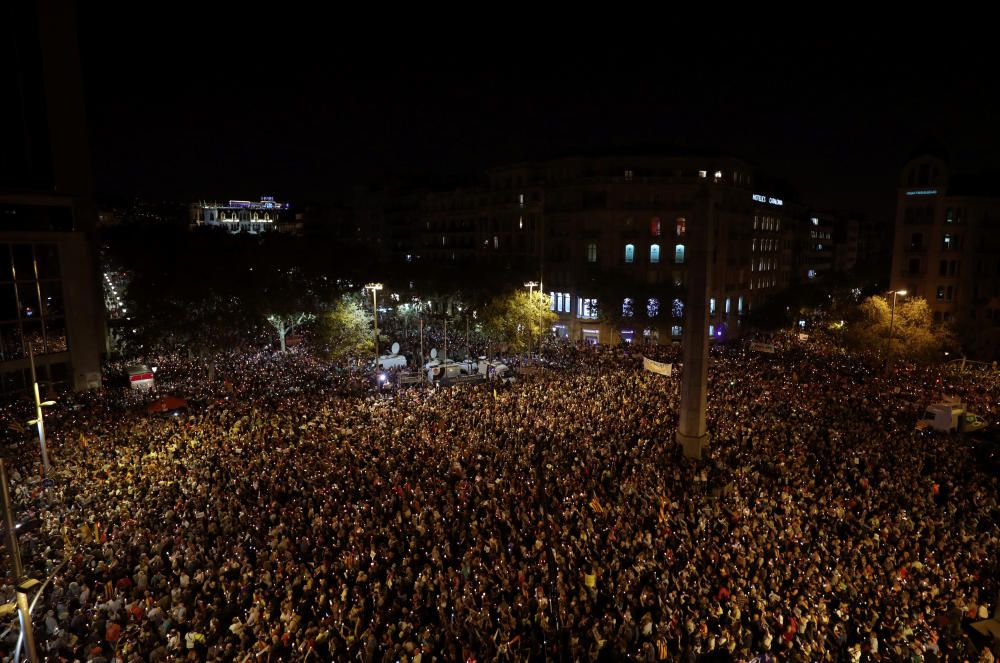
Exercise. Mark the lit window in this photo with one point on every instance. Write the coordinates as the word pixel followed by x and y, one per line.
pixel 627 309
pixel 566 302
pixel 682 227
pixel 496 242
pixel 587 308
pixel 727 306
pixel 702 173
pixel 753 245
pixel 711 306
pixel 653 307
pixel 676 330
pixel 711 330
pixel 654 226
pixel 628 175
pixel 815 221
pixel 520 223
pixel 555 299
pixel 629 252
pixel 592 252
pixel 520 199
pixel 677 308
pixel 811 273
pixel 654 253
pixel 949 241
pixel 679 254
pixel 718 175
pixel 739 305
pixel 940 292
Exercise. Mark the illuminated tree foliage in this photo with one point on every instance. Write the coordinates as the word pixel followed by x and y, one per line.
pixel 346 330
pixel 509 319
pixel 286 323
pixel 915 335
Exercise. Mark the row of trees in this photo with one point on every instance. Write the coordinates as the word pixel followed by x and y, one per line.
pixel 209 291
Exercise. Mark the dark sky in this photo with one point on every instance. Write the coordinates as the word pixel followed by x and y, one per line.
pixel 216 105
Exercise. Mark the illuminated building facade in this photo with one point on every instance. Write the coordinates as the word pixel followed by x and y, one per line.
pixel 607 236
pixel 241 216
pixel 947 249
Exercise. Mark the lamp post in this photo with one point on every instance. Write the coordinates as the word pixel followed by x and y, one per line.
pixel 23 585
pixel 530 285
pixel 892 319
pixel 375 287
pixel 38 420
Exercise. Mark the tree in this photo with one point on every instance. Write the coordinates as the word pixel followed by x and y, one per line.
pixel 284 323
pixel 346 330
pixel 511 318
pixel 914 334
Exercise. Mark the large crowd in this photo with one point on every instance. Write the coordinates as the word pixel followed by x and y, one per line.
pixel 294 515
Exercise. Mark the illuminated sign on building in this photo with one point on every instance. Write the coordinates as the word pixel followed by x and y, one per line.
pixel 767 199
pixel 922 192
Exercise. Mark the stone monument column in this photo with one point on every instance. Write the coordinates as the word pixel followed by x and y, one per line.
pixel 691 432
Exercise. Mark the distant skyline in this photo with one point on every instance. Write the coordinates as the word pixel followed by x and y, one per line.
pixel 187 108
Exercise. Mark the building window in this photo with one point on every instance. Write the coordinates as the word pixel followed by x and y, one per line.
pixel 677 308
pixel 949 241
pixel 728 307
pixel 914 266
pixel 711 306
pixel 586 308
pixel 917 241
pixel 940 293
pixel 628 175
pixel 676 330
pixel 554 299
pixel 627 309
pixel 592 252
pixel 815 221
pixel 654 253
pixel 682 226
pixel 811 273
pixel 950 292
pixel 739 305
pixel 953 268
pixel 629 252
pixel 653 307
pixel 654 226
pixel 679 254
pixel 496 242
pixel 711 330
pixel 943 268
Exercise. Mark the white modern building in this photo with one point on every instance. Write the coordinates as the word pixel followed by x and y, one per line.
pixel 240 216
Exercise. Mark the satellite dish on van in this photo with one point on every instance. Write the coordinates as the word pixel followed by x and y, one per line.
pixel 434 353
pixel 395 348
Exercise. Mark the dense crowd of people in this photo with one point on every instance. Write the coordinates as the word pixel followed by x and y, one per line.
pixel 294 515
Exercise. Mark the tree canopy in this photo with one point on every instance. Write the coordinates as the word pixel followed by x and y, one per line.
pixel 516 317
pixel 915 335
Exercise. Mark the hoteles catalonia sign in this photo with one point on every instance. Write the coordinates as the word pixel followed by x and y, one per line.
pixel 770 200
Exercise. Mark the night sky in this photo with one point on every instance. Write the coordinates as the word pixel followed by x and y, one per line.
pixel 206 106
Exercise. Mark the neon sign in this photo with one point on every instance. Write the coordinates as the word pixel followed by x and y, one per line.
pixel 922 192
pixel 771 200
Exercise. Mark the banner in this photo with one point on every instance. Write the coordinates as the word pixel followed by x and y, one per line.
pixel 656 366
pixel 762 347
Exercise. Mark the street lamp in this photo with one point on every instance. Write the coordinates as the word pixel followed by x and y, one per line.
pixel 375 287
pixel 892 319
pixel 530 285
pixel 38 420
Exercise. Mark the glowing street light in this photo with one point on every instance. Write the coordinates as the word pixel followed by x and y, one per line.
pixel 892 319
pixel 375 287
pixel 531 285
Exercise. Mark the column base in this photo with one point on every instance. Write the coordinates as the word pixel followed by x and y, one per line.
pixel 693 445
